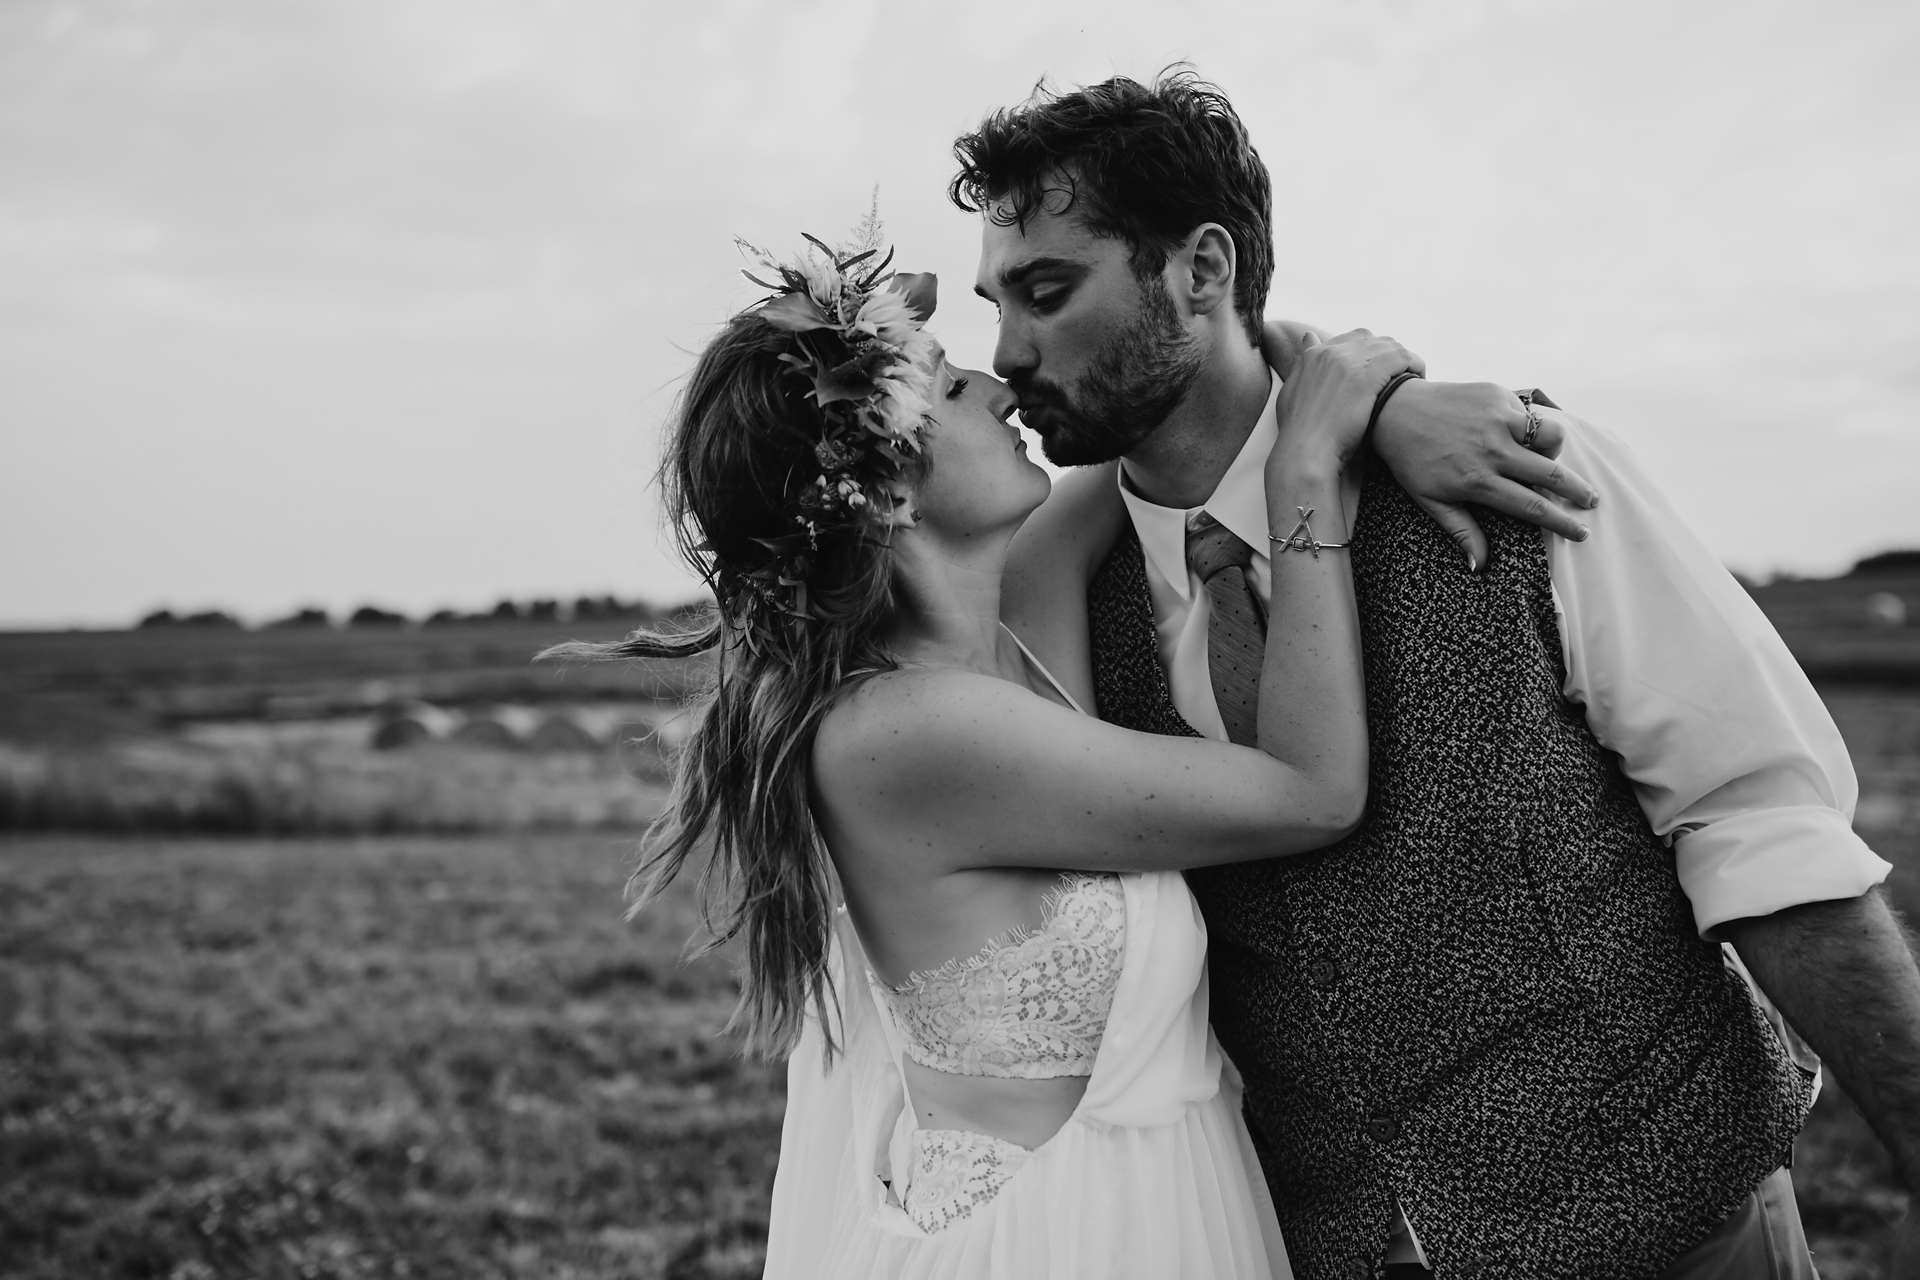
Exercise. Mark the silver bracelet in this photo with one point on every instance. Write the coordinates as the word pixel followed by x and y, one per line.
pixel 1302 539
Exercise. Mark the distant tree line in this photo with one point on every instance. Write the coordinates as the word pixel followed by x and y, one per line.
pixel 613 609
pixel 212 618
pixel 585 609
pixel 1889 562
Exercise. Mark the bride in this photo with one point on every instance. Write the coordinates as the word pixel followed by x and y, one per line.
pixel 958 895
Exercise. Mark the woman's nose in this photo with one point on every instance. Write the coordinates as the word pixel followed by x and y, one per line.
pixel 1000 399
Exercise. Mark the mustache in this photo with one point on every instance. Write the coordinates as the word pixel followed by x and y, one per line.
pixel 1034 392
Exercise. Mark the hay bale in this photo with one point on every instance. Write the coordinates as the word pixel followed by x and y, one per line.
pixel 499 728
pixel 398 734
pixel 1887 609
pixel 485 731
pixel 408 722
pixel 564 731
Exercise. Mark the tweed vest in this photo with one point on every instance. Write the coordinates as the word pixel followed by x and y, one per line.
pixel 1490 1002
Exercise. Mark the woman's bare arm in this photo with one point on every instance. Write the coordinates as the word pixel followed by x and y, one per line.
pixel 958 771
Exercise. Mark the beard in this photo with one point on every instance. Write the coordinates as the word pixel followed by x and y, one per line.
pixel 1135 380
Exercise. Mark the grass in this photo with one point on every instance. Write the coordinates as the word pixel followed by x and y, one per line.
pixel 317 1058
pixel 410 1056
pixel 1841 1174
pixel 1846 1189
pixel 88 687
pixel 430 1057
pixel 168 784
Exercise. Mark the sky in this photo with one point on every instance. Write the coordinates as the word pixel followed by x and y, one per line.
pixel 334 302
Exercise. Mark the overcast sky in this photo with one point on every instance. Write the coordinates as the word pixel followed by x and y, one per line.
pixel 334 302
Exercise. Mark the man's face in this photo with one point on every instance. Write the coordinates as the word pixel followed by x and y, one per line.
pixel 1097 356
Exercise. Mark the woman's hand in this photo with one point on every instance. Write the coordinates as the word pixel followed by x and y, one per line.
pixel 1450 443
pixel 1325 404
pixel 1282 341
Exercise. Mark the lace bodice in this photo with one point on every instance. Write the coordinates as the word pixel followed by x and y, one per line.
pixel 1032 1006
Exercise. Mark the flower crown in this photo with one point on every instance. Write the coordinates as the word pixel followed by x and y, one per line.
pixel 860 343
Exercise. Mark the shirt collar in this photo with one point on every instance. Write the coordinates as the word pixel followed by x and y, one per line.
pixel 1239 502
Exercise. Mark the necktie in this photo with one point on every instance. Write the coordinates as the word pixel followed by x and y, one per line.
pixel 1237 632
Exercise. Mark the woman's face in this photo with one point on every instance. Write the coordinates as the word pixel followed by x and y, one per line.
pixel 978 477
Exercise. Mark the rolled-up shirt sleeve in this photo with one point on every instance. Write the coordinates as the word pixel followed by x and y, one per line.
pixel 1730 750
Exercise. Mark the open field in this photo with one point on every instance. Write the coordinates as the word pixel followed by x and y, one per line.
pixel 432 1058
pixel 269 733
pixel 365 1058
pixel 80 687
pixel 380 1054
pixel 320 787
pixel 219 730
pixel 1836 629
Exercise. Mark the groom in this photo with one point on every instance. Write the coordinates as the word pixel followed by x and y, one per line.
pixel 1494 1033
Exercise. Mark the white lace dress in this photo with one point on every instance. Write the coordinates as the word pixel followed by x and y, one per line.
pixel 1031 1007
pixel 1152 1176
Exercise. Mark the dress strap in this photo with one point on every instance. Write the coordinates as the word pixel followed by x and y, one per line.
pixel 1041 667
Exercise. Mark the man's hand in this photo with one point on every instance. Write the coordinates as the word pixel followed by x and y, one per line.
pixel 1844 977
pixel 1450 443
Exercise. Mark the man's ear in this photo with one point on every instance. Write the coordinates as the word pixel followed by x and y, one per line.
pixel 1211 264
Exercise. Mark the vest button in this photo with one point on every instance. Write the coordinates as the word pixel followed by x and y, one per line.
pixel 1360 1269
pixel 1383 1129
pixel 1326 973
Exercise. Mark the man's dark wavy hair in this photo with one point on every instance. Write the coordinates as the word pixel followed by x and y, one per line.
pixel 1145 164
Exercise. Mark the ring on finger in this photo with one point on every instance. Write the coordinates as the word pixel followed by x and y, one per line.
pixel 1533 419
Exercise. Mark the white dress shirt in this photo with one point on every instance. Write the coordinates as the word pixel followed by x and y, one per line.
pixel 1733 756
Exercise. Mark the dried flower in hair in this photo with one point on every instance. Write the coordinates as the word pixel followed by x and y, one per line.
pixel 835 455
pixel 860 343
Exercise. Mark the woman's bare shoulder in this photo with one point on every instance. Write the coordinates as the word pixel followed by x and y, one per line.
pixel 903 706
pixel 918 723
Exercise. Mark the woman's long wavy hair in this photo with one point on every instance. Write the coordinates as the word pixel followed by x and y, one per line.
pixel 739 444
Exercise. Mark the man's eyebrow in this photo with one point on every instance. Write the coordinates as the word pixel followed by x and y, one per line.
pixel 1019 273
